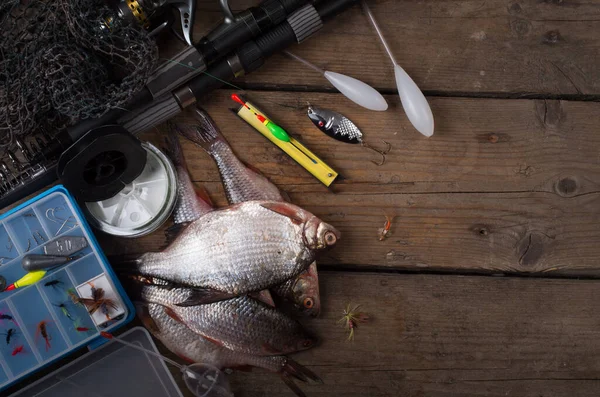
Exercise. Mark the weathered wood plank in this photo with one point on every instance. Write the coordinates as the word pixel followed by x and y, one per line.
pixel 527 232
pixel 471 46
pixel 449 336
pixel 525 201
pixel 480 145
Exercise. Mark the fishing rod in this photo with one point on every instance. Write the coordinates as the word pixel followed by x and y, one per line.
pixel 235 30
pixel 108 156
pixel 298 27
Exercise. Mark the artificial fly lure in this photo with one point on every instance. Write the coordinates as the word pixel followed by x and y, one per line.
pixel 352 318
pixel 4 316
pixel 17 350
pixel 65 311
pixel 340 128
pixel 42 329
pixel 385 230
pixel 96 302
pixel 53 283
pixel 9 335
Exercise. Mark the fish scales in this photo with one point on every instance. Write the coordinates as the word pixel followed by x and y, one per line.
pixel 241 324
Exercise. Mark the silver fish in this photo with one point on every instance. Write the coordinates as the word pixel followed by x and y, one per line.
pixel 243 184
pixel 191 347
pixel 240 182
pixel 302 291
pixel 241 324
pixel 191 204
pixel 335 125
pixel 244 248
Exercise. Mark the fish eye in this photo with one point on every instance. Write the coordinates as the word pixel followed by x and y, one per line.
pixel 308 303
pixel 321 124
pixel 307 343
pixel 330 238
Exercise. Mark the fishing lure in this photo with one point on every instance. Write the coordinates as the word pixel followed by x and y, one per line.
pixel 42 329
pixel 97 301
pixel 9 334
pixel 17 350
pixel 352 318
pixel 4 316
pixel 53 283
pixel 340 128
pixel 65 311
pixel 383 232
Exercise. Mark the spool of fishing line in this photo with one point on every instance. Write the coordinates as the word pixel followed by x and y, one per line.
pixel 143 205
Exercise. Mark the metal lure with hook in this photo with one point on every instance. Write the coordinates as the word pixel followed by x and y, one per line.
pixel 340 128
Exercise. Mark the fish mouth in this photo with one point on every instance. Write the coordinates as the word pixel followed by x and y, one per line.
pixel 319 235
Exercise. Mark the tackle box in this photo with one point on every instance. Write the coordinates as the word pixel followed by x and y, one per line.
pixel 112 370
pixel 27 229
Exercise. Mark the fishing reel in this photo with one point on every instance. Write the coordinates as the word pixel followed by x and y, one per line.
pixel 153 15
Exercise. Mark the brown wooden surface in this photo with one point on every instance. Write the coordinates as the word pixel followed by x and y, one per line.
pixel 509 184
pixel 434 335
pixel 484 47
pixel 496 189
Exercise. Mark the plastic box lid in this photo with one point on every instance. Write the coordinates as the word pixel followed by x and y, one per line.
pixel 112 370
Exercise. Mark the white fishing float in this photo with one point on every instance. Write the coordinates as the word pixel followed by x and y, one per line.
pixel 357 91
pixel 413 101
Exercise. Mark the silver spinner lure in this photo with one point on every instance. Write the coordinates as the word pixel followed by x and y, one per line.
pixel 339 127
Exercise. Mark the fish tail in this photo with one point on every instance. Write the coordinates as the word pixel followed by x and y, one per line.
pixel 294 387
pixel 173 147
pixel 300 372
pixel 125 263
pixel 205 133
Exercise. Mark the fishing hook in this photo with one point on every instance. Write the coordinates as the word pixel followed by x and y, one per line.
pixel 382 153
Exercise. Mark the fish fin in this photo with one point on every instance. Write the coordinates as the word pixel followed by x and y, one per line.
pixel 204 134
pixel 285 196
pixel 215 341
pixel 171 313
pixel 201 296
pixel 184 358
pixel 203 195
pixel 173 148
pixel 294 387
pixel 124 262
pixel 264 296
pixel 300 372
pixel 173 231
pixel 284 210
pixel 243 368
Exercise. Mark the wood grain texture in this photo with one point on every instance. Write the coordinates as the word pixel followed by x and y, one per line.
pixel 449 336
pixel 486 47
pixel 497 189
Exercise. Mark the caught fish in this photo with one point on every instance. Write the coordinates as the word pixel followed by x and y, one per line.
pixel 302 291
pixel 241 324
pixel 244 248
pixel 243 184
pixel 192 347
pixel 191 204
pixel 240 182
pixel 335 125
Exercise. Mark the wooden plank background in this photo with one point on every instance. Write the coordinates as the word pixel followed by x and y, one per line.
pixel 509 184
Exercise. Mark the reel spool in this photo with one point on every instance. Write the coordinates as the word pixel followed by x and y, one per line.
pixel 101 163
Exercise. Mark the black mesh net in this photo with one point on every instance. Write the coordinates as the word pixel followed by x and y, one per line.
pixel 60 64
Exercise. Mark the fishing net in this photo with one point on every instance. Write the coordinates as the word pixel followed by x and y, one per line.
pixel 59 64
